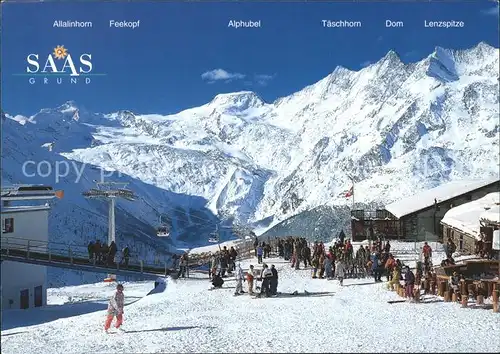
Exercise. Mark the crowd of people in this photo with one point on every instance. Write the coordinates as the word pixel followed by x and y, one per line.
pixel 340 262
pixel 110 255
pixel 337 261
pixel 102 253
pixel 223 262
pixel 267 276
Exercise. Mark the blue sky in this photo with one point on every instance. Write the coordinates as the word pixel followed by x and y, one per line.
pixel 159 67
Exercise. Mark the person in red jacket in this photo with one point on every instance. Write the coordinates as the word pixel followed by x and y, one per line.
pixel 115 308
pixel 427 252
pixel 389 266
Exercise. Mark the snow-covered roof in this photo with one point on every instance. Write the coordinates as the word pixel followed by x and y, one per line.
pixel 22 208
pixel 441 193
pixel 466 217
pixel 492 214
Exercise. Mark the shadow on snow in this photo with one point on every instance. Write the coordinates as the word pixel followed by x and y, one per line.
pixel 35 316
pixel 166 329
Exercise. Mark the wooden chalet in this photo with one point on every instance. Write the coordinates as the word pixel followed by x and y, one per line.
pixel 473 222
pixel 418 217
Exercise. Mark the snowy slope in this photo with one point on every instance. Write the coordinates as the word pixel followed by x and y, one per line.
pixel 188 318
pixel 395 127
pixel 76 220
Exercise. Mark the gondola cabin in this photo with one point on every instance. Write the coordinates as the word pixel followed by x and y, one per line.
pixel 214 237
pixel 163 231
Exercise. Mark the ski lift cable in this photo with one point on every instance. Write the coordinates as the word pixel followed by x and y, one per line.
pixel 172 209
pixel 234 228
pixel 202 225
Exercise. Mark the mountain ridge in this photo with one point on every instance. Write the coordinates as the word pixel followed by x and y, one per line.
pixel 412 126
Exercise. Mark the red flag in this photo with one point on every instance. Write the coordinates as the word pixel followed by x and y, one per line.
pixel 350 192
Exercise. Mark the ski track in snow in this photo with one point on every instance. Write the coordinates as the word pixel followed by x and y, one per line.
pixel 188 318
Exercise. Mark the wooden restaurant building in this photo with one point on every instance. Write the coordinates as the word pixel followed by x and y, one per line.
pixel 474 224
pixel 418 217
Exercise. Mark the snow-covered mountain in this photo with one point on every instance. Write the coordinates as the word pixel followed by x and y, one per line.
pixel 394 127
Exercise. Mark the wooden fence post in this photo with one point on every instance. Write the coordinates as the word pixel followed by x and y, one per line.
pixel 463 287
pixel 446 296
pixel 480 300
pixel 142 266
pixel 70 256
pixel 489 289
pixel 28 250
pixel 471 290
pixel 495 300
pixel 442 288
pixel 416 294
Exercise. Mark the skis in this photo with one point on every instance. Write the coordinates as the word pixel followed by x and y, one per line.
pixel 395 301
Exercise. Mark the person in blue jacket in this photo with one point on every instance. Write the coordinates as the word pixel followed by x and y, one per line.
pixel 260 252
pixel 377 274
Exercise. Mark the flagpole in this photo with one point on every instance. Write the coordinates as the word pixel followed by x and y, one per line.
pixel 352 195
pixel 352 181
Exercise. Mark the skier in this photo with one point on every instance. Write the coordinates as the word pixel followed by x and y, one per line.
pixel 377 274
pixel 394 279
pixel 273 282
pixel 328 267
pixel 118 257
pixel 213 267
pixel 111 252
pixel 217 281
pixel 260 252
pixel 265 277
pixel 240 277
pixel 340 271
pixel 454 282
pixel 182 266
pixel 409 283
pixel 115 308
pixel 90 249
pixel 427 252
pixel 126 256
pixel 232 258
pixel 250 278
pixel 341 236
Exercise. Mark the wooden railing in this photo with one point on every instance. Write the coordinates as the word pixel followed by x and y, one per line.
pixel 244 249
pixel 52 252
